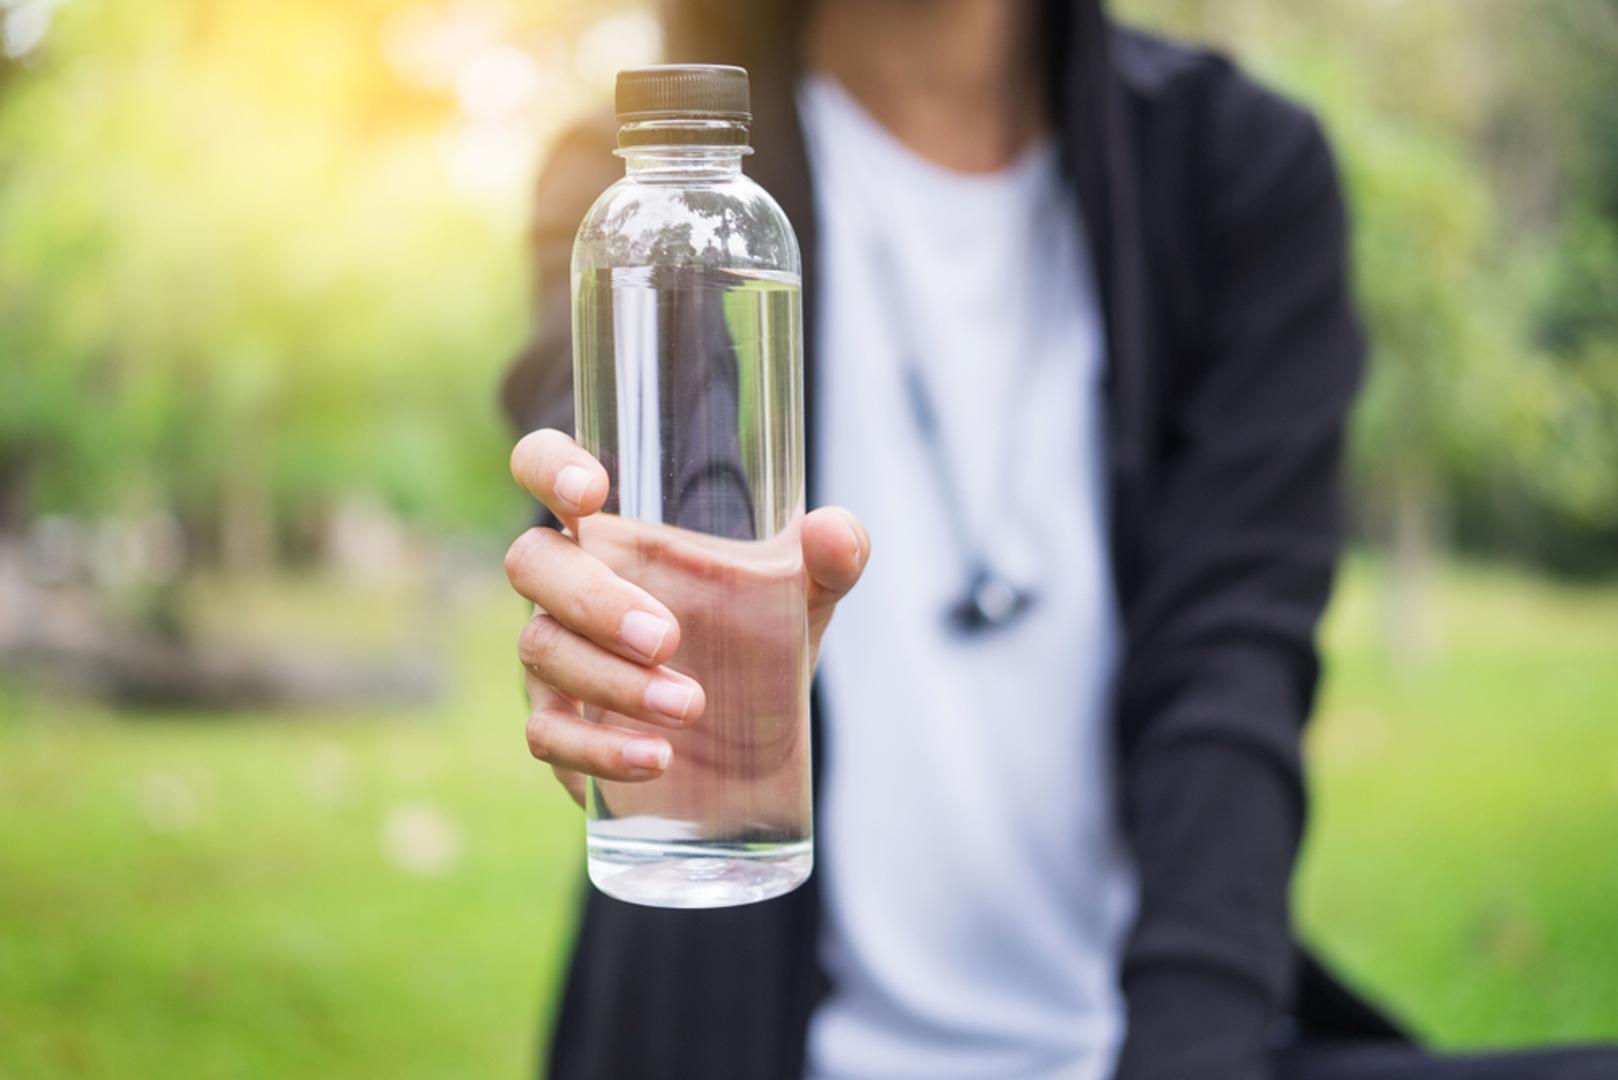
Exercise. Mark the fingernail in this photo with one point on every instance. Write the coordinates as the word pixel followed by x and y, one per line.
pixel 647 754
pixel 643 632
pixel 572 484
pixel 670 698
pixel 854 535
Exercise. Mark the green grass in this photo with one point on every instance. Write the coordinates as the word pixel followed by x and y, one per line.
pixel 186 895
pixel 1463 855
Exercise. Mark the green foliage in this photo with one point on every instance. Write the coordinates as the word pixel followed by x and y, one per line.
pixel 1476 143
pixel 232 259
pixel 240 272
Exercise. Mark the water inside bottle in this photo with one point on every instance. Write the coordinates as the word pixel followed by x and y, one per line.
pixel 688 395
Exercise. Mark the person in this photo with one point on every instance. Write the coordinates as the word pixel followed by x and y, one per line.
pixel 1058 720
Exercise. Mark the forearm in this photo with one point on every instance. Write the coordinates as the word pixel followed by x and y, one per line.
pixel 1208 967
pixel 1237 548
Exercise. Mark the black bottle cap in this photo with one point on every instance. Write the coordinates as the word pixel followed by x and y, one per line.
pixel 680 91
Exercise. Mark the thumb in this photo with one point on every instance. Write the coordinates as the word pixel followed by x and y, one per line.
pixel 835 551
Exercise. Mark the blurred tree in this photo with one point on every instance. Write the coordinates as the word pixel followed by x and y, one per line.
pixel 1576 313
pixel 1479 143
pixel 254 258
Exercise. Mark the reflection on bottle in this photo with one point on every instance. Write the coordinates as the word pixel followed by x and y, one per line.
pixel 740 774
pixel 692 404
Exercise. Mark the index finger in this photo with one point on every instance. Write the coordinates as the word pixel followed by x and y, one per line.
pixel 560 474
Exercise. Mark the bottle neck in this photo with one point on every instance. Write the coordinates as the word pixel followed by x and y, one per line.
pixel 682 149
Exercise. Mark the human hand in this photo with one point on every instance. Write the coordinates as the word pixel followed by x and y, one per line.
pixel 602 643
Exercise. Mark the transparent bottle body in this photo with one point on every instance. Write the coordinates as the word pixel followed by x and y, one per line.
pixel 688 387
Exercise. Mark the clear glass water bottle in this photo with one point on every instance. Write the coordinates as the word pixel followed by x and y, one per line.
pixel 687 351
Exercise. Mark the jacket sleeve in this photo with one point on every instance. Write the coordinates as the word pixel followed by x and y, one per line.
pixel 1243 528
pixel 538 388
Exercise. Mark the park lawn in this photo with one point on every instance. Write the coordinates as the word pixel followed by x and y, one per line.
pixel 1463 853
pixel 193 895
pixel 389 894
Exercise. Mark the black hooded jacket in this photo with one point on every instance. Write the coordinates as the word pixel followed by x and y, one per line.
pixel 1216 225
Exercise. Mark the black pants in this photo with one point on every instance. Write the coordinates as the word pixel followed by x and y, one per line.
pixel 1377 1060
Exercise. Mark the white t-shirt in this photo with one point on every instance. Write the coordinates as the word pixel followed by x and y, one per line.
pixel 976 886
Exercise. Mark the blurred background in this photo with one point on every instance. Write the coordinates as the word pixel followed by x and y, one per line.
pixel 267 808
